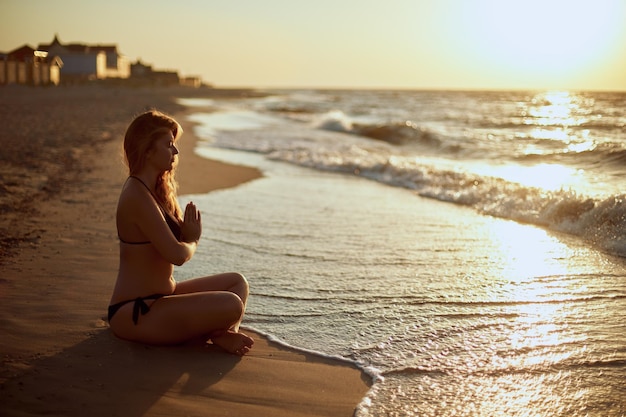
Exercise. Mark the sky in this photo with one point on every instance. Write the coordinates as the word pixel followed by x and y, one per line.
pixel 403 44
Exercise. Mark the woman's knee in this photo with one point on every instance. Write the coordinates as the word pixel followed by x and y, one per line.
pixel 233 306
pixel 239 278
pixel 241 283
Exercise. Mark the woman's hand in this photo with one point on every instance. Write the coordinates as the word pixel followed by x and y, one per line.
pixel 191 227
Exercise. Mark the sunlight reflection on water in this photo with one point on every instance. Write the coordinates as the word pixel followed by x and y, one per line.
pixel 549 177
pixel 464 314
pixel 524 252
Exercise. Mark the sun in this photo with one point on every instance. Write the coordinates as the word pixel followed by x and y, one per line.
pixel 543 37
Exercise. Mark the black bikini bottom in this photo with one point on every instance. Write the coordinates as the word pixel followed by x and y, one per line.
pixel 140 306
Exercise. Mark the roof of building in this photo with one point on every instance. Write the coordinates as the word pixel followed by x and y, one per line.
pixel 22 52
pixel 78 47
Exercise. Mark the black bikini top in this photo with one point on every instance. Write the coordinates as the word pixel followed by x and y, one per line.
pixel 169 219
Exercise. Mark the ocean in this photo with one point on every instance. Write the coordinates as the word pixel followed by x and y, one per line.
pixel 465 249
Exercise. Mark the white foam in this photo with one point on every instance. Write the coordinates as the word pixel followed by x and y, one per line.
pixel 232 120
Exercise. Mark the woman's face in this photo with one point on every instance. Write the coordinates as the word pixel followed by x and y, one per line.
pixel 163 153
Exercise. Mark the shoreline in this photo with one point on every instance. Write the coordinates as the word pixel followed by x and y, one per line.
pixel 198 175
pixel 58 269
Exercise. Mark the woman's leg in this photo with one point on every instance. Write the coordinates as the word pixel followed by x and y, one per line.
pixel 229 339
pixel 229 281
pixel 179 318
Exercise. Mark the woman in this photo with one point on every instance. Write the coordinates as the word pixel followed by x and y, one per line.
pixel 148 305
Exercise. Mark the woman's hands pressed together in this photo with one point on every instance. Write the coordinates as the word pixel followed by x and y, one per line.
pixel 192 224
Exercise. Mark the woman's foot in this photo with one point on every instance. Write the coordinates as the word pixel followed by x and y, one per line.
pixel 232 342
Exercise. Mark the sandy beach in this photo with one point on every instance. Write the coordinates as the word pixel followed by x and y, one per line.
pixel 60 174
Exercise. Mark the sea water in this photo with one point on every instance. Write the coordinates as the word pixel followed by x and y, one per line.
pixel 464 248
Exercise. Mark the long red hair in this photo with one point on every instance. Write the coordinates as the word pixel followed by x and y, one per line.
pixel 139 139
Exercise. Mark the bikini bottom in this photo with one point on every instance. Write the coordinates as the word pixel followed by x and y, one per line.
pixel 140 306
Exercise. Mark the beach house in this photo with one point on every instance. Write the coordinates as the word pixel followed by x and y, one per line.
pixel 30 66
pixel 77 63
pixel 143 74
pixel 83 62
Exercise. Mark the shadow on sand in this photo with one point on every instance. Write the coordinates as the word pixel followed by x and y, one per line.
pixel 103 375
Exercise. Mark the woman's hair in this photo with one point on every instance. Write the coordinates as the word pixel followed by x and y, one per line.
pixel 139 140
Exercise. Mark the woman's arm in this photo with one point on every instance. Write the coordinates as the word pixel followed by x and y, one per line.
pixel 147 216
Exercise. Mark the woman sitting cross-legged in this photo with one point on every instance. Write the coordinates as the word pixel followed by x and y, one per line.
pixel 147 304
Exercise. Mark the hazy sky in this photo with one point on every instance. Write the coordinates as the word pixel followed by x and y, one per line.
pixel 473 44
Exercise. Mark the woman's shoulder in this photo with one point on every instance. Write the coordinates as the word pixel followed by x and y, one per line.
pixel 134 195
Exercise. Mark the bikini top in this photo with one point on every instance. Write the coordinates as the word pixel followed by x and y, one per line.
pixel 169 219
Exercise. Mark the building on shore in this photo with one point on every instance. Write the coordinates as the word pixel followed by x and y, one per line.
pixel 77 63
pixel 191 81
pixel 29 66
pixel 82 62
pixel 143 74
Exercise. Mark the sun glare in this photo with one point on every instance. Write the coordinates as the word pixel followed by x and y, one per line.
pixel 549 177
pixel 544 37
pixel 525 252
pixel 553 113
pixel 535 267
pixel 559 108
